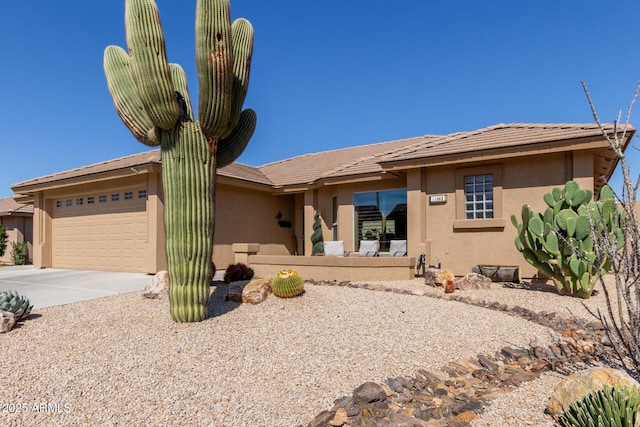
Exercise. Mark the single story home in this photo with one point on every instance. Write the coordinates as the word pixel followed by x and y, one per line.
pixel 449 196
pixel 17 220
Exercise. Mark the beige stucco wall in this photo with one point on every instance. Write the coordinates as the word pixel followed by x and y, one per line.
pixel 439 229
pixel 19 229
pixel 524 180
pixel 249 216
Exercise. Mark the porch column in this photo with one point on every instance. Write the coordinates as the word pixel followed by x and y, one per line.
pixel 416 213
pixel 309 211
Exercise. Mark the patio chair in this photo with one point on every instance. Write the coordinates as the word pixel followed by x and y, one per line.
pixel 334 248
pixel 369 248
pixel 398 248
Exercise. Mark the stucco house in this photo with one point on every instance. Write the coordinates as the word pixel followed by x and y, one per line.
pixel 17 220
pixel 450 196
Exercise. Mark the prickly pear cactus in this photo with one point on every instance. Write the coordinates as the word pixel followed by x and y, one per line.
pixel 287 284
pixel 13 302
pixel 607 407
pixel 152 99
pixel 559 242
pixel 316 238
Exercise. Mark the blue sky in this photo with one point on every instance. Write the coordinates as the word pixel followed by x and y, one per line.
pixel 325 75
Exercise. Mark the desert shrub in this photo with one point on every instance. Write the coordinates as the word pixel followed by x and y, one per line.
pixel 19 253
pixel 3 240
pixel 621 288
pixel 238 271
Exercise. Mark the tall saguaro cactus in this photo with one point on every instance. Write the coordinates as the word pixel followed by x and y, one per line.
pixel 152 99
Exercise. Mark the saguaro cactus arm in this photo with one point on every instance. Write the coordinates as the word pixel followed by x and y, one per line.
pixel 230 148
pixel 214 61
pixel 149 66
pixel 117 68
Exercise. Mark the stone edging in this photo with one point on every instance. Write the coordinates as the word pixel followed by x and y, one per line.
pixel 456 395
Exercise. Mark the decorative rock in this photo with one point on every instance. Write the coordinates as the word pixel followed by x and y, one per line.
pixel 431 277
pixel 340 418
pixel 576 386
pixel 234 293
pixel 8 320
pixel 369 392
pixel 256 291
pixel 473 281
pixel 158 286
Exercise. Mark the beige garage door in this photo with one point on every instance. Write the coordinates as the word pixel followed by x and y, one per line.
pixel 101 231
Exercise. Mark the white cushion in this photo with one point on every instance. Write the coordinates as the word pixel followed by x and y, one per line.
pixel 398 248
pixel 369 247
pixel 334 248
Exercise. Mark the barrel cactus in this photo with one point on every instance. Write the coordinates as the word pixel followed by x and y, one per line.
pixel 18 305
pixel 287 284
pixel 317 242
pixel 152 99
pixel 559 243
pixel 609 406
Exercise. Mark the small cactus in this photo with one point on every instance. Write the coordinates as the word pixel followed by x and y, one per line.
pixel 287 284
pixel 610 406
pixel 13 302
pixel 317 242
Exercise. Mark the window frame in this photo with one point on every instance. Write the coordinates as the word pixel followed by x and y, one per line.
pixel 383 242
pixel 461 222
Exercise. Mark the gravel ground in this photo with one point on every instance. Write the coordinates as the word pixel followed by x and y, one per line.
pixel 121 360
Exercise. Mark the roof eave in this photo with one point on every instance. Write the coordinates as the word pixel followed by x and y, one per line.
pixel 28 188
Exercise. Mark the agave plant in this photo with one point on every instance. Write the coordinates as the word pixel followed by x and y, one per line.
pixel 611 406
pixel 13 302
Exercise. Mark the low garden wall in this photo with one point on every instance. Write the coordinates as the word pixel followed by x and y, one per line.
pixel 349 268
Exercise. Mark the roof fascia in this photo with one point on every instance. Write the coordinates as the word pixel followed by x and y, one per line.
pixel 27 189
pixel 490 154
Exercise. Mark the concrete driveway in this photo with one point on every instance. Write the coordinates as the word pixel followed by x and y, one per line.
pixel 50 286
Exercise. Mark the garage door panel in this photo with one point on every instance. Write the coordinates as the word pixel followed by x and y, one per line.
pixel 109 235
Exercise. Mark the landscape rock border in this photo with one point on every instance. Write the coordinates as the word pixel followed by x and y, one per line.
pixel 455 395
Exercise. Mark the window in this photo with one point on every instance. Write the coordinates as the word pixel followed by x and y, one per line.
pixel 90 200
pixel 128 195
pixel 68 202
pixel 115 197
pixel 102 199
pixel 142 194
pixel 58 203
pixel 380 215
pixel 478 198
pixel 478 195
pixel 79 201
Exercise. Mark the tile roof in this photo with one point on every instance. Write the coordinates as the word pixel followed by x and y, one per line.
pixel 498 136
pixel 9 206
pixel 308 168
pixel 364 159
pixel 235 170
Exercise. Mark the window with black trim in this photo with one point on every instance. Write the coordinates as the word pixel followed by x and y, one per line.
pixel 68 202
pixel 90 200
pixel 142 194
pixel 102 198
pixel 58 203
pixel 79 201
pixel 115 197
pixel 380 215
pixel 128 195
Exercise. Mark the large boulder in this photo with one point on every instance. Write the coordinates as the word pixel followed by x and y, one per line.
pixel 574 387
pixel 7 321
pixel 473 281
pixel 158 286
pixel 256 291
